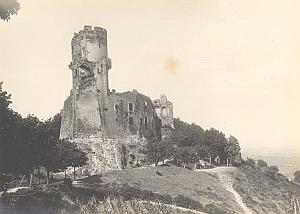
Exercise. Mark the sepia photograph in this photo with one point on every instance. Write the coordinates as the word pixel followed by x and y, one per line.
pixel 149 107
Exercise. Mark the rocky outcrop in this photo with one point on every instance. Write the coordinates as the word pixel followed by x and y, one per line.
pixel 106 154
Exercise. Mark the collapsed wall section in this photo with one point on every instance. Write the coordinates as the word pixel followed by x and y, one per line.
pixel 164 110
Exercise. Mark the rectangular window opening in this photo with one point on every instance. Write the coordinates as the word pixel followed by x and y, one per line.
pixel 116 107
pixel 130 121
pixel 146 122
pixel 130 107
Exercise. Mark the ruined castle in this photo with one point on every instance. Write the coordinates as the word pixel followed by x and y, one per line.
pixel 108 123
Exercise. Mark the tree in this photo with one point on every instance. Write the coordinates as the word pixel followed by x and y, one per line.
pixel 51 160
pixel 217 142
pixel 250 162
pixel 4 118
pixel 232 149
pixel 297 176
pixel 153 151
pixel 8 8
pixel 262 163
pixel 28 143
pixel 158 150
pixel 71 155
pixel 79 158
pixel 271 172
pixel 202 151
pixel 11 146
pixel 184 155
pixel 187 134
pixel 31 156
pixel 51 147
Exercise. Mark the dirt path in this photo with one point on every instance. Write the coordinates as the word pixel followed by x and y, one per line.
pixel 225 177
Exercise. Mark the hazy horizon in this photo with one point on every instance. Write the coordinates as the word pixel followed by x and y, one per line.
pixel 229 65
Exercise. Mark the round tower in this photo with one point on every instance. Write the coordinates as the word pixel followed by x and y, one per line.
pixel 90 62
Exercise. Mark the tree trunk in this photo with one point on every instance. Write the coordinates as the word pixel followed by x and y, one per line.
pixel 48 176
pixel 195 165
pixel 65 173
pixel 39 174
pixel 1 182
pixel 30 179
pixel 227 161
pixel 209 159
pixel 74 172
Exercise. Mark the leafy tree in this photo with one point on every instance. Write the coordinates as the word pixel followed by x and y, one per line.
pixel 187 134
pixel 51 160
pixel 78 158
pixel 262 163
pixel 202 151
pixel 167 148
pixel 271 172
pixel 232 149
pixel 217 142
pixel 184 155
pixel 250 162
pixel 10 144
pixel 297 176
pixel 196 142
pixel 8 8
pixel 28 143
pixel 157 151
pixel 4 118
pixel 153 151
pixel 31 156
pixel 51 147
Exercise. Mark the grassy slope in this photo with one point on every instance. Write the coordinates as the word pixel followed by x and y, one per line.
pixel 127 190
pixel 174 181
pixel 264 195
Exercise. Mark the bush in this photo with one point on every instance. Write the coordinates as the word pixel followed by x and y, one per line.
pixel 261 163
pixel 273 169
pixel 297 176
pixel 271 172
pixel 250 162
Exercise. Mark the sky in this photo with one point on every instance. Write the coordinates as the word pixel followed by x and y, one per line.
pixel 232 65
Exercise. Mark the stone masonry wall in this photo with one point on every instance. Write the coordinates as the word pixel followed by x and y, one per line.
pixel 106 154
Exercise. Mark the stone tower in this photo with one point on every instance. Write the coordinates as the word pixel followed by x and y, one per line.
pixel 90 58
pixel 164 110
pixel 88 100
